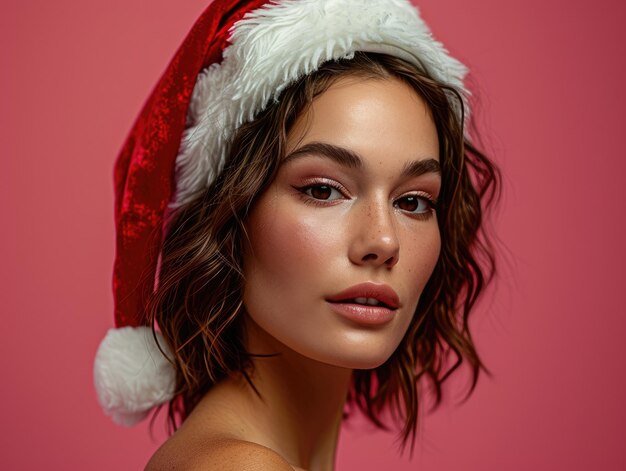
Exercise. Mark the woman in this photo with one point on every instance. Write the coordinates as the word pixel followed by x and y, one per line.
pixel 322 246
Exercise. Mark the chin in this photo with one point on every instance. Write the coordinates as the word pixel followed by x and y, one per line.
pixel 354 357
pixel 363 363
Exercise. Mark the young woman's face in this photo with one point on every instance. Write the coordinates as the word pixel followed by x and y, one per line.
pixel 343 241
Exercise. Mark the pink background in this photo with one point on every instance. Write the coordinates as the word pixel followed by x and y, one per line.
pixel 550 78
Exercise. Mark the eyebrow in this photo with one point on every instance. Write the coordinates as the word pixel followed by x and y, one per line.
pixel 350 159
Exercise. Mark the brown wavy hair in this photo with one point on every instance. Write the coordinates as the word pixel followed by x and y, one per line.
pixel 198 305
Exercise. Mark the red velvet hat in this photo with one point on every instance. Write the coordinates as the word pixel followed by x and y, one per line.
pixel 236 59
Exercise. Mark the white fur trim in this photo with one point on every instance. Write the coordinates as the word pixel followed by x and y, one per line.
pixel 273 46
pixel 131 374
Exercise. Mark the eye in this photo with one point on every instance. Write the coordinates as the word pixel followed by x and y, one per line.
pixel 415 204
pixel 322 192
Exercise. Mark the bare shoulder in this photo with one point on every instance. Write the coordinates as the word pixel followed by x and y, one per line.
pixel 236 454
pixel 218 454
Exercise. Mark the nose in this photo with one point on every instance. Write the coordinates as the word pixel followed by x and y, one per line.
pixel 374 240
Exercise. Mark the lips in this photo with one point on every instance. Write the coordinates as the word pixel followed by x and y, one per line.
pixel 368 294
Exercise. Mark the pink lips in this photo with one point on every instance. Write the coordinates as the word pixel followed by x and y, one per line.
pixel 344 303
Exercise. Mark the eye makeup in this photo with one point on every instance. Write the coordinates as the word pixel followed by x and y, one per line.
pixel 313 190
pixel 326 192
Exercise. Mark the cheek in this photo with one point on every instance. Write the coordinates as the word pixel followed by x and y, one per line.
pixel 289 249
pixel 280 243
pixel 421 254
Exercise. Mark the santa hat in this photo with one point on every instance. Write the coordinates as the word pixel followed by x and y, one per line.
pixel 235 61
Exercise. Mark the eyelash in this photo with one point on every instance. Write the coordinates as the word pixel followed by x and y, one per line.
pixel 310 200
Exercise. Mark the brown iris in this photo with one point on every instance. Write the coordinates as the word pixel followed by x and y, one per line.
pixel 321 192
pixel 408 203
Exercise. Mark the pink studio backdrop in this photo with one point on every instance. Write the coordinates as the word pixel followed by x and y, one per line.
pixel 550 78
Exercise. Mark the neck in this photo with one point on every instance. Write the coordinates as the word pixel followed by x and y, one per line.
pixel 299 411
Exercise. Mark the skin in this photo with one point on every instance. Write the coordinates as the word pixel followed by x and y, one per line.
pixel 319 228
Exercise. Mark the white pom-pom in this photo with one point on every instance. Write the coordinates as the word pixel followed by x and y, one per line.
pixel 132 375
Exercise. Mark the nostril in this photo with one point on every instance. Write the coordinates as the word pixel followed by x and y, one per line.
pixel 370 256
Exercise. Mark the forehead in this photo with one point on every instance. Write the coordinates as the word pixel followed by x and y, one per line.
pixel 385 121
